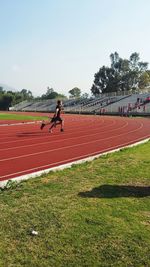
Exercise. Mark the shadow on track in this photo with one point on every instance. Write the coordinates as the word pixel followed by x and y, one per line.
pixel 113 191
pixel 31 134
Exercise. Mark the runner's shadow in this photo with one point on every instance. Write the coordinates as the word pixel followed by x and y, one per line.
pixel 30 134
pixel 113 191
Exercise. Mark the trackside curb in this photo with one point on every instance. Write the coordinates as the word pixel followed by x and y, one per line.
pixel 68 165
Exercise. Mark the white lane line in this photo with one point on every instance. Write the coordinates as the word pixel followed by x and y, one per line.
pixel 41 136
pixel 70 125
pixel 70 129
pixel 64 139
pixel 66 147
pixel 70 162
pixel 18 124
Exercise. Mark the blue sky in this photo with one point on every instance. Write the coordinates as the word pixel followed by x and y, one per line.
pixel 62 43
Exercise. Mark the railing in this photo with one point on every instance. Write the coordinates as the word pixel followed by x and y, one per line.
pixel 124 93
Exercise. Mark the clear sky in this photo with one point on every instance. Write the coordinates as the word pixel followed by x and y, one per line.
pixel 63 43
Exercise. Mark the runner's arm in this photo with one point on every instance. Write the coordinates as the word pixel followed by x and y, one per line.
pixel 56 112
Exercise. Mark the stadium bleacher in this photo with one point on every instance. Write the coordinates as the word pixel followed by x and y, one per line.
pixel 22 105
pixel 132 103
pixel 104 104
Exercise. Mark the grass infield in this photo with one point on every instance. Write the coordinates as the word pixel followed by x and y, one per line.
pixel 94 214
pixel 20 117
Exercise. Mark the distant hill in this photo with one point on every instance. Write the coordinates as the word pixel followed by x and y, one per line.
pixel 7 87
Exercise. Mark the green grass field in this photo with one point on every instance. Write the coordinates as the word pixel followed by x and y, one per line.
pixel 95 214
pixel 7 116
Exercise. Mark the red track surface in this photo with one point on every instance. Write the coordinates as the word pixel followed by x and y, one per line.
pixel 25 149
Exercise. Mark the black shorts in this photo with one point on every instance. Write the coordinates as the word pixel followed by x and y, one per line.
pixel 55 119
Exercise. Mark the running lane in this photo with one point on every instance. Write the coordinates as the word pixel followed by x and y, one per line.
pixel 25 149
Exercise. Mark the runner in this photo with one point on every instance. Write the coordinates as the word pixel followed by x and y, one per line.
pixel 56 118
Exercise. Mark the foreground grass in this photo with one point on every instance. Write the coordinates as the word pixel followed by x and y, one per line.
pixel 95 214
pixel 22 117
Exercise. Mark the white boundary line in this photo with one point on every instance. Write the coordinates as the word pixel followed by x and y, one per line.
pixel 19 123
pixel 68 165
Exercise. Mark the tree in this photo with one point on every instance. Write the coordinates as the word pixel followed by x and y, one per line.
pixel 61 96
pixel 75 92
pixel 144 80
pixel 134 61
pixel 123 74
pixel 1 89
pixel 106 80
pixel 9 98
pixel 51 94
pixel 85 95
pixel 26 94
pixel 5 101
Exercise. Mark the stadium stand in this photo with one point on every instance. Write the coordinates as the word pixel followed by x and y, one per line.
pixel 99 104
pixel 44 105
pixel 130 104
pixel 21 106
pixel 121 104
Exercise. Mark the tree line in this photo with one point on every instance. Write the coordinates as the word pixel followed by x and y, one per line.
pixel 10 98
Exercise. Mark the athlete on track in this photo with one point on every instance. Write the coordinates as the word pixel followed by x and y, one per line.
pixel 56 118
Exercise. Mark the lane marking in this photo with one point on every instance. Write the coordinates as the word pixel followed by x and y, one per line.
pixel 66 147
pixel 75 160
pixel 70 129
pixel 19 123
pixel 48 135
pixel 71 138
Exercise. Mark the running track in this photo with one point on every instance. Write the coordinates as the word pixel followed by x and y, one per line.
pixel 25 149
